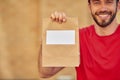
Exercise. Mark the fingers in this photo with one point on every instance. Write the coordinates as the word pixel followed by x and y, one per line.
pixel 59 17
pixel 64 17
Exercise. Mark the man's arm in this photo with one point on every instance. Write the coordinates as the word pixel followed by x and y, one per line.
pixel 46 72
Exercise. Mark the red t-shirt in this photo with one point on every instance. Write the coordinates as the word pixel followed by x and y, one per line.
pixel 99 55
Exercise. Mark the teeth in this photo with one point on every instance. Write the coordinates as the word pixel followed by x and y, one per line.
pixel 103 16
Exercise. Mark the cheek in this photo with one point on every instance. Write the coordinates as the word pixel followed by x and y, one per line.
pixel 93 9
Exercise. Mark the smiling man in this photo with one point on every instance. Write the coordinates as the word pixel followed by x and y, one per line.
pixel 99 43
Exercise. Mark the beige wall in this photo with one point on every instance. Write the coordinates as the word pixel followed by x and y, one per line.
pixel 19 39
pixel 77 8
pixel 20 34
pixel 20 27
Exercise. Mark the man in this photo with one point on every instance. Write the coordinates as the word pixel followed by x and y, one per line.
pixel 99 43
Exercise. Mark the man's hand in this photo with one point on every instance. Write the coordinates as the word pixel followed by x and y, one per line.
pixel 59 17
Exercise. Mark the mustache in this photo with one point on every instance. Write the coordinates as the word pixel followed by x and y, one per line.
pixel 103 12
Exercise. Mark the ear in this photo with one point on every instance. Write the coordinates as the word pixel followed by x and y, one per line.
pixel 89 5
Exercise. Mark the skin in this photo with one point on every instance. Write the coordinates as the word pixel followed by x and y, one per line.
pixel 104 16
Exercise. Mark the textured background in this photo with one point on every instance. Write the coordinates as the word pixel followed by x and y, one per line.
pixel 20 33
pixel 19 39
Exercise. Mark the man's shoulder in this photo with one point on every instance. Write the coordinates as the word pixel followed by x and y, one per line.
pixel 86 29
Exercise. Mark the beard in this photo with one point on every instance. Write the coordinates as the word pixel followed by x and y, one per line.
pixel 105 22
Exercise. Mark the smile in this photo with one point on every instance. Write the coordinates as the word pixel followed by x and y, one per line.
pixel 103 16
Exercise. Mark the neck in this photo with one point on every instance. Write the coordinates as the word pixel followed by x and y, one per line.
pixel 108 30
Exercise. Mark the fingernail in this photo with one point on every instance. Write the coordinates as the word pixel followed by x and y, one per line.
pixel 64 20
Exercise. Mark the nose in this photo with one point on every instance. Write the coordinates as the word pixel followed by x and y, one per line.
pixel 103 7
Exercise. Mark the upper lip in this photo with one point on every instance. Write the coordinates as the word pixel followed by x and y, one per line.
pixel 103 13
